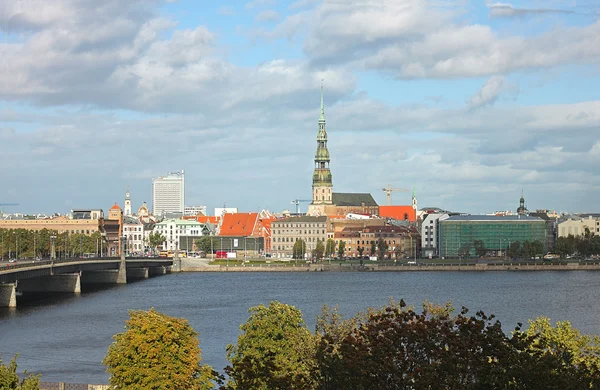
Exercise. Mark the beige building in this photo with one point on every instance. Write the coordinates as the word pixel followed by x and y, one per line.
pixel 60 224
pixel 336 225
pixel 578 226
pixel 285 232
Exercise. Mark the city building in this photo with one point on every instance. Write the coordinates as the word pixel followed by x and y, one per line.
pixel 324 201
pixel 286 231
pixel 457 234
pixel 522 210
pixel 400 213
pixel 192 211
pixel 168 194
pixel 133 230
pixel 113 227
pixel 579 226
pixel 429 234
pixel 401 241
pixel 180 234
pixel 79 222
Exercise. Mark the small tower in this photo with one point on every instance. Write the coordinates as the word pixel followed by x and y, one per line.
pixel 322 187
pixel 127 208
pixel 521 210
pixel 414 199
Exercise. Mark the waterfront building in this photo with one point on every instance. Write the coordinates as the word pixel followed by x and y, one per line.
pixel 133 230
pixel 286 231
pixel 78 222
pixel 401 241
pixel 113 228
pixel 180 234
pixel 429 234
pixel 579 225
pixel 457 233
pixel 168 194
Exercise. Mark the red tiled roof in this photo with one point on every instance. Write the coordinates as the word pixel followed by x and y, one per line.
pixel 398 212
pixel 238 224
pixel 115 207
pixel 205 219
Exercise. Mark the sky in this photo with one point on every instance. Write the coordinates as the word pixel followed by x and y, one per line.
pixel 469 102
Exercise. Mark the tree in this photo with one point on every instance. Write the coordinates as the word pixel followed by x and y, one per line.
pixel 382 248
pixel 206 244
pixel 274 351
pixel 299 249
pixel 464 250
pixel 319 250
pixel 537 248
pixel 373 248
pixel 360 250
pixel 527 250
pixel 341 249
pixel 157 352
pixel 479 247
pixel 156 239
pixel 330 247
pixel 514 250
pixel 9 380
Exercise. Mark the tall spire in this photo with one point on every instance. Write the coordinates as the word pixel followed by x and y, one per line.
pixel 322 117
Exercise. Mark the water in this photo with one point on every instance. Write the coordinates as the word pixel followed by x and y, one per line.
pixel 65 337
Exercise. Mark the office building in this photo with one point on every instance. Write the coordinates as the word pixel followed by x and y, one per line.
pixel 168 194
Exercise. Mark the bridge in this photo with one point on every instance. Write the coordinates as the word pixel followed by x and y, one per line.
pixel 67 275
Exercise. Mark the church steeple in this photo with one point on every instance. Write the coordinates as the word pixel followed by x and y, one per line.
pixel 322 185
pixel 127 208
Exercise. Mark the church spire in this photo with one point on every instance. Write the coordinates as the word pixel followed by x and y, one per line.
pixel 322 117
pixel 322 184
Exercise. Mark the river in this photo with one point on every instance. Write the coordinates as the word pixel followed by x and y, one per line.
pixel 65 337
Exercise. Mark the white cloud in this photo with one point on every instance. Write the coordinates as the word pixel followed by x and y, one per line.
pixel 267 16
pixel 491 91
pixel 260 3
pixel 302 4
pixel 504 10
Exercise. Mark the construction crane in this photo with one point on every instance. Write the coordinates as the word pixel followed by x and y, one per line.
pixel 297 203
pixel 389 191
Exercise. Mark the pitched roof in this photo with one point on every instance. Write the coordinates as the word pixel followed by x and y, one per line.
pixel 115 207
pixel 205 219
pixel 398 212
pixel 238 224
pixel 353 199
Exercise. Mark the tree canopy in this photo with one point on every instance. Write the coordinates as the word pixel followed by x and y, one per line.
pixel 157 352
pixel 9 380
pixel 274 351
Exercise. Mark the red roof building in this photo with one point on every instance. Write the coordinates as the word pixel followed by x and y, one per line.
pixel 400 213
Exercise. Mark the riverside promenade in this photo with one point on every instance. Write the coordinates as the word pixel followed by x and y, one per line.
pixel 204 265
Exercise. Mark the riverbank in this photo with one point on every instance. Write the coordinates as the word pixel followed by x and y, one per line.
pixel 202 265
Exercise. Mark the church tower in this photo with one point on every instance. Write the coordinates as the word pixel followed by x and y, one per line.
pixel 522 209
pixel 414 200
pixel 322 187
pixel 127 208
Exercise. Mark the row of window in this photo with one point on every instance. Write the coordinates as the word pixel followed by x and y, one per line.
pixel 275 232
pixel 300 225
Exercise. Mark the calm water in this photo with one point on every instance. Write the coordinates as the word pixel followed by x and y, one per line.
pixel 65 337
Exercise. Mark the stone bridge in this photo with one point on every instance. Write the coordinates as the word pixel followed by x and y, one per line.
pixel 67 275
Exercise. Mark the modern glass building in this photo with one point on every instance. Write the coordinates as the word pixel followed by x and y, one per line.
pixel 496 232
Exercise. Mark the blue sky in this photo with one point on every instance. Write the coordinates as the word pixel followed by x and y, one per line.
pixel 468 101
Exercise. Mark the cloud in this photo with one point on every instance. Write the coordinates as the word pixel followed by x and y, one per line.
pixel 226 10
pixel 491 91
pixel 267 16
pixel 503 10
pixel 302 4
pixel 259 3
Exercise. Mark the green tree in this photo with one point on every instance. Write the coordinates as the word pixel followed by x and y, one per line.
pixel 537 248
pixel 373 248
pixel 514 250
pixel 155 239
pixel 479 247
pixel 382 248
pixel 299 249
pixel 341 249
pixel 206 244
pixel 360 250
pixel 330 247
pixel 274 351
pixel 157 352
pixel 464 250
pixel 319 250
pixel 9 380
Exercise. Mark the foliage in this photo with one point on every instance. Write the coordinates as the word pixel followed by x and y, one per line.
pixel 373 248
pixel 274 351
pixel 360 250
pixel 525 250
pixel 157 352
pixel 341 249
pixel 319 250
pixel 9 380
pixel 464 250
pixel 330 247
pixel 155 239
pixel 382 248
pixel 206 244
pixel 299 249
pixel 585 245
pixel 37 243
pixel 479 247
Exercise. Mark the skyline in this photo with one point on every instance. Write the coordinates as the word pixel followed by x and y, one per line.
pixel 469 103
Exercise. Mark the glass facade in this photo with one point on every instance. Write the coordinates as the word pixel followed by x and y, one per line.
pixel 497 234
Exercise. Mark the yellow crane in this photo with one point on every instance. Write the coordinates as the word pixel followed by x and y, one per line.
pixel 388 191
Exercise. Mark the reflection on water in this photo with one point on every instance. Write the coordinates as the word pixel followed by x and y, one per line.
pixel 65 336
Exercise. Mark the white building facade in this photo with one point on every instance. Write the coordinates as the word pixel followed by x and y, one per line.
pixel 579 226
pixel 174 229
pixel 168 194
pixel 192 211
pixel 133 229
pixel 429 234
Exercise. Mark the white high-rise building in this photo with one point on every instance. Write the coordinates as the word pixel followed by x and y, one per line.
pixel 168 194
